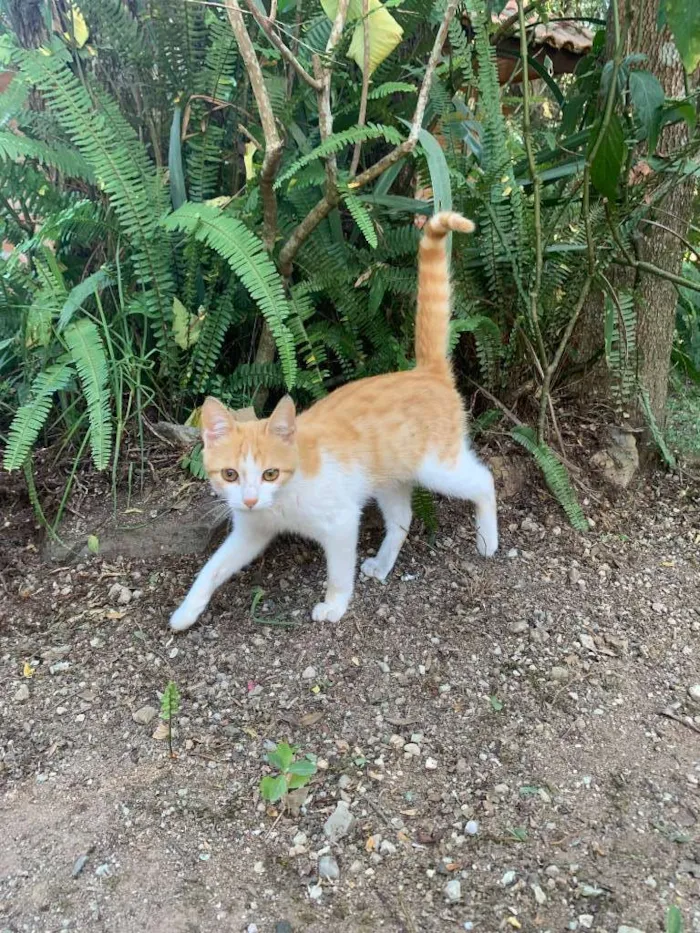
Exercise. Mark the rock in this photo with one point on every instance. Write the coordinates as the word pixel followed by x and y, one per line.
pixel 344 781
pixel 315 892
pixel 559 674
pixel 513 552
pixel 508 879
pixel 387 848
pixel 619 460
pixel 339 823
pixel 120 593
pixel 328 868
pixel 22 694
pixel 501 789
pixel 180 434
pixel 144 715
pixel 518 627
pixel 510 473
pixel 59 667
pixel 471 828
pixel 694 692
pixel 300 839
pixel 574 575
pixel 587 642
pixel 412 749
pixel 431 764
pixel 453 891
pixel 309 673
pixel 398 741
pixel 540 896
pixel 79 864
pixel 625 929
pixel 251 928
pixel 529 524
pixel 586 921
pixel 104 871
pixel 283 926
pixel 383 667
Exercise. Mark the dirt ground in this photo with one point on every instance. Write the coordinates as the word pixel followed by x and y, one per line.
pixel 514 738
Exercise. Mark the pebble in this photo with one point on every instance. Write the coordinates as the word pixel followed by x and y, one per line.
pixel 453 891
pixel 559 673
pixel 471 828
pixel 339 823
pixel 587 641
pixel 344 781
pixel 59 667
pixel 283 926
pixel 79 864
pixel 104 870
pixel 412 749
pixel 430 764
pixel 22 694
pixel 508 879
pixel 586 921
pixel 309 673
pixel 144 715
pixel 120 593
pixel 398 741
pixel 626 929
pixel 694 693
pixel 384 667
pixel 387 848
pixel 518 627
pixel 328 868
pixel 300 839
pixel 540 896
pixel 513 552
pixel 501 789
pixel 252 928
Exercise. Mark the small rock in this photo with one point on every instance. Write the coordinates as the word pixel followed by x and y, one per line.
pixel 387 848
pixel 22 694
pixel 453 891
pixel 252 928
pixel 339 823
pixel 283 926
pixel 328 868
pixel 626 929
pixel 309 673
pixel 540 896
pixel 559 673
pixel 587 641
pixel 300 839
pixel 384 667
pixel 508 879
pixel 471 828
pixel 344 781
pixel 144 715
pixel 501 789
pixel 586 921
pixel 104 871
pixel 431 764
pixel 315 892
pixel 398 741
pixel 518 627
pixel 59 667
pixel 513 552
pixel 120 593
pixel 694 693
pixel 412 749
pixel 574 575
pixel 79 864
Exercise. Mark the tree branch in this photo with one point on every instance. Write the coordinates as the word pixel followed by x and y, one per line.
pixel 267 27
pixel 362 116
pixel 317 214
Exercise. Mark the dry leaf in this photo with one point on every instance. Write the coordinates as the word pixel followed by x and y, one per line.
pixel 310 719
pixel 27 670
pixel 161 732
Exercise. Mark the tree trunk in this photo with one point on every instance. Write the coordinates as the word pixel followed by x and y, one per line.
pixel 27 22
pixel 655 298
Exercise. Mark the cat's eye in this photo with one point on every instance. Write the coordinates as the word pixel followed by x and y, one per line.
pixel 270 475
pixel 229 475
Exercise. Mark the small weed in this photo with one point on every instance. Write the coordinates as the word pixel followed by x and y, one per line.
pixel 292 772
pixel 674 920
pixel 518 833
pixel 169 707
pixel 496 704
pixel 258 594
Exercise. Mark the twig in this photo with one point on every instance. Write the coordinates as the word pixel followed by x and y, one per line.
pixel 362 116
pixel 318 213
pixel 507 25
pixel 688 723
pixel 492 398
pixel 267 27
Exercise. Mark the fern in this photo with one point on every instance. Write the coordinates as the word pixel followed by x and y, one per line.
pixel 338 142
pixel 207 350
pixel 79 294
pixel 655 430
pixel 554 473
pixel 487 337
pixel 425 510
pixel 56 155
pixel 31 417
pixel 246 255
pixel 621 343
pixel 88 355
pixel 362 218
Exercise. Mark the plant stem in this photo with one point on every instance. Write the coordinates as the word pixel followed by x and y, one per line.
pixel 362 116
pixel 267 27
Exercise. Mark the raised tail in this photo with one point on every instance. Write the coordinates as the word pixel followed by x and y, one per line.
pixel 433 313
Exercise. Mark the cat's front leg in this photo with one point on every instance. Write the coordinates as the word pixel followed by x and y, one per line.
pixel 340 546
pixel 242 546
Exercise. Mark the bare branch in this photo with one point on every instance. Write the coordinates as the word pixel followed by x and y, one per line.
pixel 362 116
pixel 267 27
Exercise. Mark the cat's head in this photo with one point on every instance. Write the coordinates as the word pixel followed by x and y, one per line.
pixel 249 462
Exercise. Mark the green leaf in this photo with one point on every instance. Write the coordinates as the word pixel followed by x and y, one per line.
pixel 186 327
pixel 683 19
pixel 608 159
pixel 384 32
pixel 178 192
pixel 362 218
pixel 439 177
pixel 496 704
pixel 79 294
pixel 88 354
pixel 169 702
pixel 93 544
pixel 273 788
pixel 282 757
pixel 302 768
pixel 673 113
pixel 30 418
pixel 298 780
pixel 674 920
pixel 647 97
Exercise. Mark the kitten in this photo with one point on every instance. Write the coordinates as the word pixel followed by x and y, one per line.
pixel 376 438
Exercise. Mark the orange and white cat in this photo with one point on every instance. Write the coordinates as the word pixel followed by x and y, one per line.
pixel 377 438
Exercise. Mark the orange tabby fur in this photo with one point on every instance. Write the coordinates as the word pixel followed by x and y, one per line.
pixel 374 438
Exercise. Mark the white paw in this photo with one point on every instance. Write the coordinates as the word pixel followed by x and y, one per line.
pixel 183 618
pixel 486 547
pixel 328 612
pixel 372 568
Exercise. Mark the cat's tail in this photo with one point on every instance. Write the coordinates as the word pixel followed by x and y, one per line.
pixel 433 313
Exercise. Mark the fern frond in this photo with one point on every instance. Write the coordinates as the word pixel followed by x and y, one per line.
pixel 246 255
pixel 31 417
pixel 337 142
pixel 56 155
pixel 79 294
pixel 655 430
pixel 621 343
pixel 425 510
pixel 362 218
pixel 88 355
pixel 555 475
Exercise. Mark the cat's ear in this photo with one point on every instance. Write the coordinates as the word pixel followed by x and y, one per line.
pixel 216 421
pixel 282 421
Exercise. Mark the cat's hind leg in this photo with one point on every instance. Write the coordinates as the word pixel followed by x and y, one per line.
pixel 395 505
pixel 468 478
pixel 246 541
pixel 340 546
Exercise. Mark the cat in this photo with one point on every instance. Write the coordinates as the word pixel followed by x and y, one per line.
pixel 377 438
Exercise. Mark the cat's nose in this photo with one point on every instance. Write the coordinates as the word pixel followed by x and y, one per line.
pixel 251 501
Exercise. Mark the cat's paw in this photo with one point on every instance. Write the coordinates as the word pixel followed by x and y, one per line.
pixel 372 568
pixel 486 548
pixel 183 618
pixel 328 611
